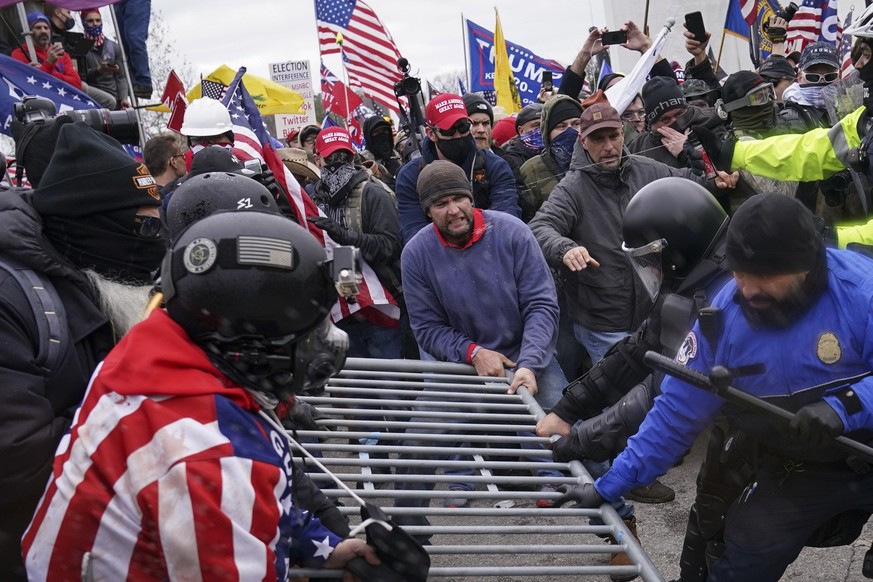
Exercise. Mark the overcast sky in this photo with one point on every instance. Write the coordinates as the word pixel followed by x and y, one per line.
pixel 427 32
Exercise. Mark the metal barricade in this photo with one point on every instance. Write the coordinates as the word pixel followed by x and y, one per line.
pixel 427 422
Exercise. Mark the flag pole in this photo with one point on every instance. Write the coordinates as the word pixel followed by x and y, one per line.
pixel 339 41
pixel 466 50
pixel 720 49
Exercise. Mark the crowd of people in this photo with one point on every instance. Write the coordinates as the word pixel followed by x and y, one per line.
pixel 160 317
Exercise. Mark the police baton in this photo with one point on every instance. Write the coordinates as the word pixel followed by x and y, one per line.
pixel 718 382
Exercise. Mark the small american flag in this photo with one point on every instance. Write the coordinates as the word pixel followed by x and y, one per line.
pixel 368 51
pixel 213 90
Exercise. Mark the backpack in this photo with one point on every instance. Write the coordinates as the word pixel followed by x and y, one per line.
pixel 48 313
pixel 354 201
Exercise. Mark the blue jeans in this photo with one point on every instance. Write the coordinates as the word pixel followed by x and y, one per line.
pixel 133 28
pixel 368 340
pixel 597 343
pixel 550 385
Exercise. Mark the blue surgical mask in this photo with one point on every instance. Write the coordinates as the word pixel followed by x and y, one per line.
pixel 562 146
pixel 533 140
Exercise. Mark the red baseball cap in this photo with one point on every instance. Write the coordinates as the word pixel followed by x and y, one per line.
pixel 331 140
pixel 445 110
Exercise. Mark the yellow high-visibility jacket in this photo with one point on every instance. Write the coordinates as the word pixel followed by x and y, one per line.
pixel 814 155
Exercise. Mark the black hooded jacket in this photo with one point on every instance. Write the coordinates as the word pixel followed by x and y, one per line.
pixel 36 407
pixel 391 163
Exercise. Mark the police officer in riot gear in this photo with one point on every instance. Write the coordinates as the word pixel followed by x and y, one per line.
pixel 674 234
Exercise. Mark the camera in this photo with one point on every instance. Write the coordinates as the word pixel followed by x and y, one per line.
pixel 121 125
pixel 346 272
pixel 412 121
pixel 788 12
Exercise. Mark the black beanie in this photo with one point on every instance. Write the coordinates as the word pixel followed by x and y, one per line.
pixel 88 200
pixel 477 104
pixel 661 94
pixel 562 110
pixel 738 84
pixel 604 81
pixel 772 234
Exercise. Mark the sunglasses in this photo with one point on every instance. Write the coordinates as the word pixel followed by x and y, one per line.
pixel 461 127
pixel 147 226
pixel 818 78
pixel 760 95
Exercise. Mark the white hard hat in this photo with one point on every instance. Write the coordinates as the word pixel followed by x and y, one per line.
pixel 863 26
pixel 206 117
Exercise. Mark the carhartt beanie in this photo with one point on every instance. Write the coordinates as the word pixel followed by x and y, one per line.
pixel 772 234
pixel 439 179
pixel 661 94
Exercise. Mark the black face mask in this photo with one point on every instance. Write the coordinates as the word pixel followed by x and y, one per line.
pixel 103 242
pixel 69 23
pixel 457 149
pixel 381 145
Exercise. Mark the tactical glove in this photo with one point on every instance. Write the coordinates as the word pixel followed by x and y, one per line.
pixel 567 449
pixel 719 149
pixel 816 424
pixel 581 495
pixel 341 234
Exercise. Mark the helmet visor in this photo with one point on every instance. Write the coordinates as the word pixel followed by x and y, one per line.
pixel 647 264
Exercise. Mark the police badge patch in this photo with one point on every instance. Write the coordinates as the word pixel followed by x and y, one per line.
pixel 828 348
pixel 688 350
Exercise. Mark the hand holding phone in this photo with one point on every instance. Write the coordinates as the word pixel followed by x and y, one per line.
pixel 547 81
pixel 694 24
pixel 613 37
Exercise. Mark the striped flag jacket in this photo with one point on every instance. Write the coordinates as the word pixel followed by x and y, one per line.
pixel 169 472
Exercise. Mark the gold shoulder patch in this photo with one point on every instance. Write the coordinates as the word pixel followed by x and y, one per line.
pixel 828 349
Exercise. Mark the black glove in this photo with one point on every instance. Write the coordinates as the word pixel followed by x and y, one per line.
pixel 582 496
pixel 341 234
pixel 268 180
pixel 567 449
pixel 690 158
pixel 719 149
pixel 304 416
pixel 816 424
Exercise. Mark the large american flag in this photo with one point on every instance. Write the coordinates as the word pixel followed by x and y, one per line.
pixel 845 47
pixel 816 20
pixel 335 96
pixel 251 141
pixel 368 51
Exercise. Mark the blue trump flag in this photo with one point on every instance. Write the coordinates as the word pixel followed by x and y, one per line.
pixel 20 79
pixel 527 67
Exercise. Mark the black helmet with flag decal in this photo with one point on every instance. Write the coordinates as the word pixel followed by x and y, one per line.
pixel 252 289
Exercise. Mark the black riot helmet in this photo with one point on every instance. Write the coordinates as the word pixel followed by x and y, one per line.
pixel 205 194
pixel 252 289
pixel 669 226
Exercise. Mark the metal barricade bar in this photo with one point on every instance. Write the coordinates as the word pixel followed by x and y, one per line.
pixel 391 425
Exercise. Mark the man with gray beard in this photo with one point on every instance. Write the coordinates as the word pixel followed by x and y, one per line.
pixel 77 257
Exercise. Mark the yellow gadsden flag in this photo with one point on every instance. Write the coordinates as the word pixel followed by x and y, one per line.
pixel 270 97
pixel 504 81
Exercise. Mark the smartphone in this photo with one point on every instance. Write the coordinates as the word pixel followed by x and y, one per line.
pixel 694 24
pixel 547 81
pixel 614 37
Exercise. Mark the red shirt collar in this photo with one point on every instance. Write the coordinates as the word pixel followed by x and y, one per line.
pixel 478 231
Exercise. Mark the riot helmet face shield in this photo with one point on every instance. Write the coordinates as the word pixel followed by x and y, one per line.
pixel 647 263
pixel 319 355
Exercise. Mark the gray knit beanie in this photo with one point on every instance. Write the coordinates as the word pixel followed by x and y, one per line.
pixel 439 179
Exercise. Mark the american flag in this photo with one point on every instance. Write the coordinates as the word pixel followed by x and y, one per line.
pixel 251 141
pixel 749 10
pixel 335 96
pixel 816 20
pixel 846 67
pixel 213 89
pixel 368 50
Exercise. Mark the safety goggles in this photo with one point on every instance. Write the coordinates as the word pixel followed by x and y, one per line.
pixel 463 126
pixel 147 226
pixel 646 263
pixel 821 78
pixel 760 95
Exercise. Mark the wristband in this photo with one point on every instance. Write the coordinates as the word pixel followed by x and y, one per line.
pixel 474 352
